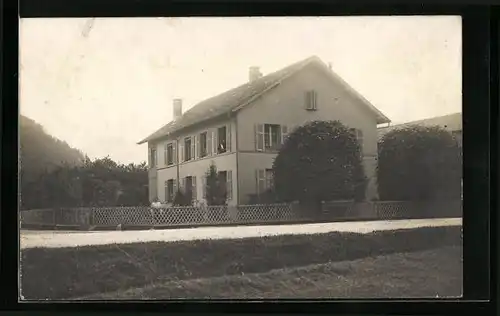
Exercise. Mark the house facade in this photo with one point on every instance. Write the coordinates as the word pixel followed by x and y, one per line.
pixel 241 131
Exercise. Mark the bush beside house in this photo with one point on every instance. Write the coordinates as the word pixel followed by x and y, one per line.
pixel 319 161
pixel 215 188
pixel 419 163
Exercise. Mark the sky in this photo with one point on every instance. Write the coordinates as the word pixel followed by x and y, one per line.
pixel 104 89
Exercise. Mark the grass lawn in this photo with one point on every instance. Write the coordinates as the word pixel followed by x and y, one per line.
pixel 424 274
pixel 62 273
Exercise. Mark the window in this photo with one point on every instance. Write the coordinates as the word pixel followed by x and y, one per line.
pixel 264 179
pixel 169 154
pixel 221 140
pixel 169 190
pixel 202 145
pixel 187 149
pixel 190 187
pixel 226 181
pixel 311 97
pixel 153 158
pixel 272 136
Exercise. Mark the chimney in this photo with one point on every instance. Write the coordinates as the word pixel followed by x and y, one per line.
pixel 177 108
pixel 330 66
pixel 254 73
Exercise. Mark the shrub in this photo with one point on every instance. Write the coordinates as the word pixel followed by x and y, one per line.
pixel 320 161
pixel 182 199
pixel 419 163
pixel 215 188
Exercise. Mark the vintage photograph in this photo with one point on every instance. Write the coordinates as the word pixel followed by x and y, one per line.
pixel 240 158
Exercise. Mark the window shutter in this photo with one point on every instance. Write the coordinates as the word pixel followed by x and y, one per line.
pixel 181 151
pixel 204 186
pixel 174 152
pixel 229 184
pixel 183 185
pixel 307 100
pixel 195 193
pixel 228 138
pixel 198 147
pixel 193 147
pixel 284 133
pixel 166 154
pixel 152 157
pixel 259 137
pixel 315 100
pixel 214 143
pixel 166 192
pixel 257 182
pixel 209 143
pixel 174 184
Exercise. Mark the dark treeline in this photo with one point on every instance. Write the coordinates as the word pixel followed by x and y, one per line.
pixel 53 174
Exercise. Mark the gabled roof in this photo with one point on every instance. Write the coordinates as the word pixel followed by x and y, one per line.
pixel 450 122
pixel 235 99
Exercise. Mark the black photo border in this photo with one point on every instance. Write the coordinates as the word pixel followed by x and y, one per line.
pixel 480 88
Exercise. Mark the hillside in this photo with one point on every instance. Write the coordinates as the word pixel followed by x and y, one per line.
pixel 40 151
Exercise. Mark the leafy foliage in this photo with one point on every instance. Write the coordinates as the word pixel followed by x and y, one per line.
pixel 320 161
pixel 101 182
pixel 267 197
pixel 419 163
pixel 182 199
pixel 215 188
pixel 52 174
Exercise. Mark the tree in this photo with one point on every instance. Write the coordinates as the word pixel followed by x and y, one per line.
pixel 319 161
pixel 419 163
pixel 40 154
pixel 215 188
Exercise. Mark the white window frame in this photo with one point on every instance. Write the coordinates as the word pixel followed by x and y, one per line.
pixel 260 136
pixel 269 127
